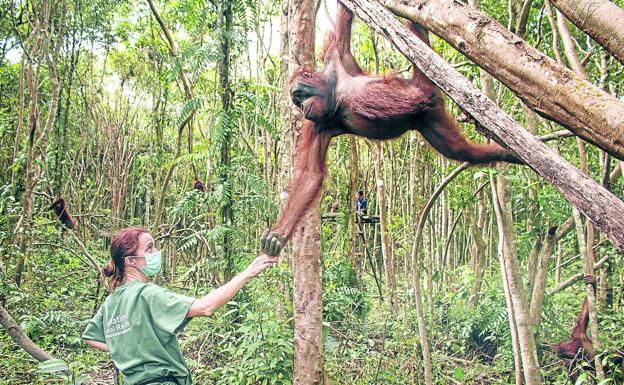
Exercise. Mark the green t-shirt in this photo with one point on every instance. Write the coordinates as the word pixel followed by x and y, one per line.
pixel 139 322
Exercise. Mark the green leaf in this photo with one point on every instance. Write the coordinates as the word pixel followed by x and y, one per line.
pixel 581 379
pixel 53 366
pixel 459 374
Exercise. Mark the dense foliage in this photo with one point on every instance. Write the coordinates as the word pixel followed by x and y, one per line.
pixel 125 142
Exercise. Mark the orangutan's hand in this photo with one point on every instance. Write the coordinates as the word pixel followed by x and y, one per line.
pixel 272 243
pixel 590 280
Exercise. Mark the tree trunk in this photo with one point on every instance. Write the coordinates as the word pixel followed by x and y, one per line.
pixel 477 226
pixel 502 249
pixel 307 299
pixel 588 269
pixel 479 250
pixel 553 235
pixel 511 272
pixel 39 44
pixel 576 103
pixel 227 214
pixel 602 207
pixel 533 263
pixel 308 285
pixel 541 274
pixel 383 222
pixel 349 208
pixel 600 19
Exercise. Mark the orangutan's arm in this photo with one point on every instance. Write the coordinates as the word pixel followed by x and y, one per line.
pixel 303 189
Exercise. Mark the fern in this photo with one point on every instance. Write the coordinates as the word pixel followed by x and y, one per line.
pixel 188 109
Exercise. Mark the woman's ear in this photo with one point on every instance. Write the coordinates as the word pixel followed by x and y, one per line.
pixel 129 261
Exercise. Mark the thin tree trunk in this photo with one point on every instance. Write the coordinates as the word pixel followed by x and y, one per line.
pixel 541 274
pixel 602 207
pixel 308 304
pixel 187 87
pixel 511 270
pixel 227 213
pixel 350 208
pixel 502 249
pixel 600 19
pixel 531 125
pixel 559 260
pixel 533 263
pixel 479 250
pixel 383 222
pixel 588 269
pixel 618 171
pixel 308 285
pixel 283 161
pixel 553 235
pixel 477 227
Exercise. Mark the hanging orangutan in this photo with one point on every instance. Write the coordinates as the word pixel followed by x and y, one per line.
pixel 577 352
pixel 579 346
pixel 60 208
pixel 342 99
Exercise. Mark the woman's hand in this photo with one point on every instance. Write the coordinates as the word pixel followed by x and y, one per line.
pixel 260 264
pixel 208 304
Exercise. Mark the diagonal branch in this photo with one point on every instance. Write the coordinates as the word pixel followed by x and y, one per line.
pixel 599 205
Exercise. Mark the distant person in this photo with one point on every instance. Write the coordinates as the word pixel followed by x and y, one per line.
pixel 335 205
pixel 138 322
pixel 361 206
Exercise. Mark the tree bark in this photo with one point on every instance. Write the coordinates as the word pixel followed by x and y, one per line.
pixel 541 274
pixel 307 300
pixel 308 285
pixel 564 97
pixel 533 262
pixel 227 212
pixel 600 19
pixel 602 207
pixel 479 247
pixel 588 269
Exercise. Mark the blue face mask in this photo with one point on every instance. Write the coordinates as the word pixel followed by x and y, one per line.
pixel 153 264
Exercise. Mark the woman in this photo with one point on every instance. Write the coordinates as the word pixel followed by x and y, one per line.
pixel 138 321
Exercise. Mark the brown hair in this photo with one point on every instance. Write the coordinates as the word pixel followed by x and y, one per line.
pixel 124 244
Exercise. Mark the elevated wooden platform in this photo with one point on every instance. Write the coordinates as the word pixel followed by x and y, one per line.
pixel 362 218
